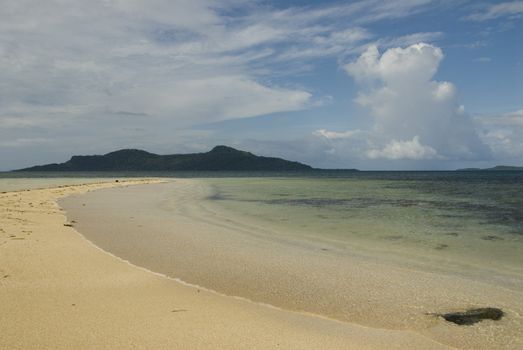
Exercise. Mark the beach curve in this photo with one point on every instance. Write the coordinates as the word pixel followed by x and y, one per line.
pixel 58 291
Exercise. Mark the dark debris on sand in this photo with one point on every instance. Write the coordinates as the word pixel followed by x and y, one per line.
pixel 472 316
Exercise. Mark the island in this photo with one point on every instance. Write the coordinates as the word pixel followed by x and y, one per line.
pixel 220 158
pixel 496 168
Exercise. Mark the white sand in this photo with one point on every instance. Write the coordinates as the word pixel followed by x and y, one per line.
pixel 58 291
pixel 171 228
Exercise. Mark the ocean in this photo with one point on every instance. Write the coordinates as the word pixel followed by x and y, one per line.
pixel 433 220
pixel 452 221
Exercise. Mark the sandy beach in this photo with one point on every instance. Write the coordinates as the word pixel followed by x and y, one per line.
pixel 175 229
pixel 59 291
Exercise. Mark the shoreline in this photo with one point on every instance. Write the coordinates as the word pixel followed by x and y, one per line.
pixel 373 295
pixel 57 290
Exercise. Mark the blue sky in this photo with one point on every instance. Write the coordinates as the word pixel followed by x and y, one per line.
pixel 400 84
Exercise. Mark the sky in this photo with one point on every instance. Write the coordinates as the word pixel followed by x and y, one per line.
pixel 373 85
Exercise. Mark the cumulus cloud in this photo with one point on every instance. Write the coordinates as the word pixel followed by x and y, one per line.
pixel 412 149
pixel 407 104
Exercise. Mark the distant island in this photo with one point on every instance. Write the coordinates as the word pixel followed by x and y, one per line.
pixel 496 168
pixel 220 158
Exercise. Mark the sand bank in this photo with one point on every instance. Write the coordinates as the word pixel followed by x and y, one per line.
pixel 59 291
pixel 174 229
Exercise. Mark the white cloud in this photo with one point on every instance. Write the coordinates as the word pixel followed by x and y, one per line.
pixel 511 9
pixel 379 10
pixel 405 102
pixel 182 59
pixel 504 134
pixel 397 66
pixel 336 135
pixel 327 44
pixel 211 99
pixel 412 149
pixel 510 119
pixel 76 71
pixel 409 39
pixel 168 59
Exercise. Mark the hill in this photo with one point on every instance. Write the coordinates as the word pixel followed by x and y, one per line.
pixel 220 158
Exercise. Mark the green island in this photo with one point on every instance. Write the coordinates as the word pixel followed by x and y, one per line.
pixel 220 158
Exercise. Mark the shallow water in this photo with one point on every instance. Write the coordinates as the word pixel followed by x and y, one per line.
pixel 462 222
pixel 467 224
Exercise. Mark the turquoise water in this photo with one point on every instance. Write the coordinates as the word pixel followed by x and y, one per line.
pixel 449 221
pixel 441 221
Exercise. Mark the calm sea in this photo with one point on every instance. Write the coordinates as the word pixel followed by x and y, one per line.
pixel 445 218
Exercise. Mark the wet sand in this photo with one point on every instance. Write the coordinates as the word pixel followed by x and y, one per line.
pixel 59 291
pixel 199 244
